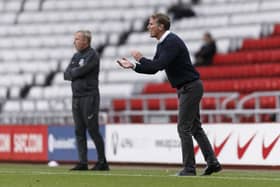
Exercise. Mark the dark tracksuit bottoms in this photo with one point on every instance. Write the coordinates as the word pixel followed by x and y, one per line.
pixel 85 113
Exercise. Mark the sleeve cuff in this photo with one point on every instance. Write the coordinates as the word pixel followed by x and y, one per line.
pixel 134 65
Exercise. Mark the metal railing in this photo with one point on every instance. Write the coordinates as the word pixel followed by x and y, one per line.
pixel 221 101
pixel 162 115
pixel 214 116
pixel 257 111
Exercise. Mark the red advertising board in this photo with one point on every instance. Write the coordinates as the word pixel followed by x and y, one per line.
pixel 23 142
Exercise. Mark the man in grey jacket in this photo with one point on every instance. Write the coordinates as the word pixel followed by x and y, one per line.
pixel 83 72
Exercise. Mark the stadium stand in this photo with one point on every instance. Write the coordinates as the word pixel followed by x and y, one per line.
pixel 244 71
pixel 36 45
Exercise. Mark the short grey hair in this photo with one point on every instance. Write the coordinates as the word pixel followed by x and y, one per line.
pixel 86 34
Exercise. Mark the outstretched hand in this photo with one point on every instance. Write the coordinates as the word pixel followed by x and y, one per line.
pixel 124 63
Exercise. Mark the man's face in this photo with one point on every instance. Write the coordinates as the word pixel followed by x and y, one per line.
pixel 80 41
pixel 155 30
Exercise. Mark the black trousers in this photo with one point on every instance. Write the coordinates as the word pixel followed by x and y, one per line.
pixel 189 125
pixel 85 113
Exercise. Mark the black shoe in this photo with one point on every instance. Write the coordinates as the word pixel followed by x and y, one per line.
pixel 185 172
pixel 212 168
pixel 80 167
pixel 101 167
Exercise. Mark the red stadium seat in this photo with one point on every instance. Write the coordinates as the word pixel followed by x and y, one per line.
pixel 136 104
pixel 173 119
pixel 276 30
pixel 251 118
pixel 235 85
pixel 247 57
pixel 153 104
pixel 136 119
pixel 239 71
pixel 158 88
pixel 265 102
pixel 208 103
pixel 265 43
pixel 119 104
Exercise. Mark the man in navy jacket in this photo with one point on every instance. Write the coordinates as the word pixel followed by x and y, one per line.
pixel 172 56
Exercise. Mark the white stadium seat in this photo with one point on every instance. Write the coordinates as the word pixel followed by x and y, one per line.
pixel 3 93
pixel 28 105
pixel 42 105
pixel 11 106
pixel 36 92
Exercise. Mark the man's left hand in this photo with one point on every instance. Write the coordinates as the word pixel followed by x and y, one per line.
pixel 136 55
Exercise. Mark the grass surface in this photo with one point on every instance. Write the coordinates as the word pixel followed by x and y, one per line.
pixel 23 175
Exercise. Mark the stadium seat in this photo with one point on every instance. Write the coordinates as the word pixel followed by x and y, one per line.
pixel 196 22
pixel 240 71
pixel 245 57
pixel 276 30
pixel 11 106
pixel 114 90
pixel 36 92
pixel 270 5
pixel 42 105
pixel 3 92
pixel 255 17
pixel 14 92
pixel 226 8
pixel 28 106
pixel 122 76
pixel 235 85
pixel 265 43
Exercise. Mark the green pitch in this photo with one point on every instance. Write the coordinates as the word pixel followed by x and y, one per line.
pixel 22 175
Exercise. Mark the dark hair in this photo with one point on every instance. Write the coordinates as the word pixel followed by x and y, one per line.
pixel 162 19
pixel 208 35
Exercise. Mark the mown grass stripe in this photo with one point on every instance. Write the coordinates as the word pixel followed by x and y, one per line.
pixel 88 173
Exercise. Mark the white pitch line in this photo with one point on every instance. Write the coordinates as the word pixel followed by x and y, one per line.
pixel 134 175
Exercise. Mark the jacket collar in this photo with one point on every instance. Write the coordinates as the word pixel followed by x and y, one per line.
pixel 162 38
